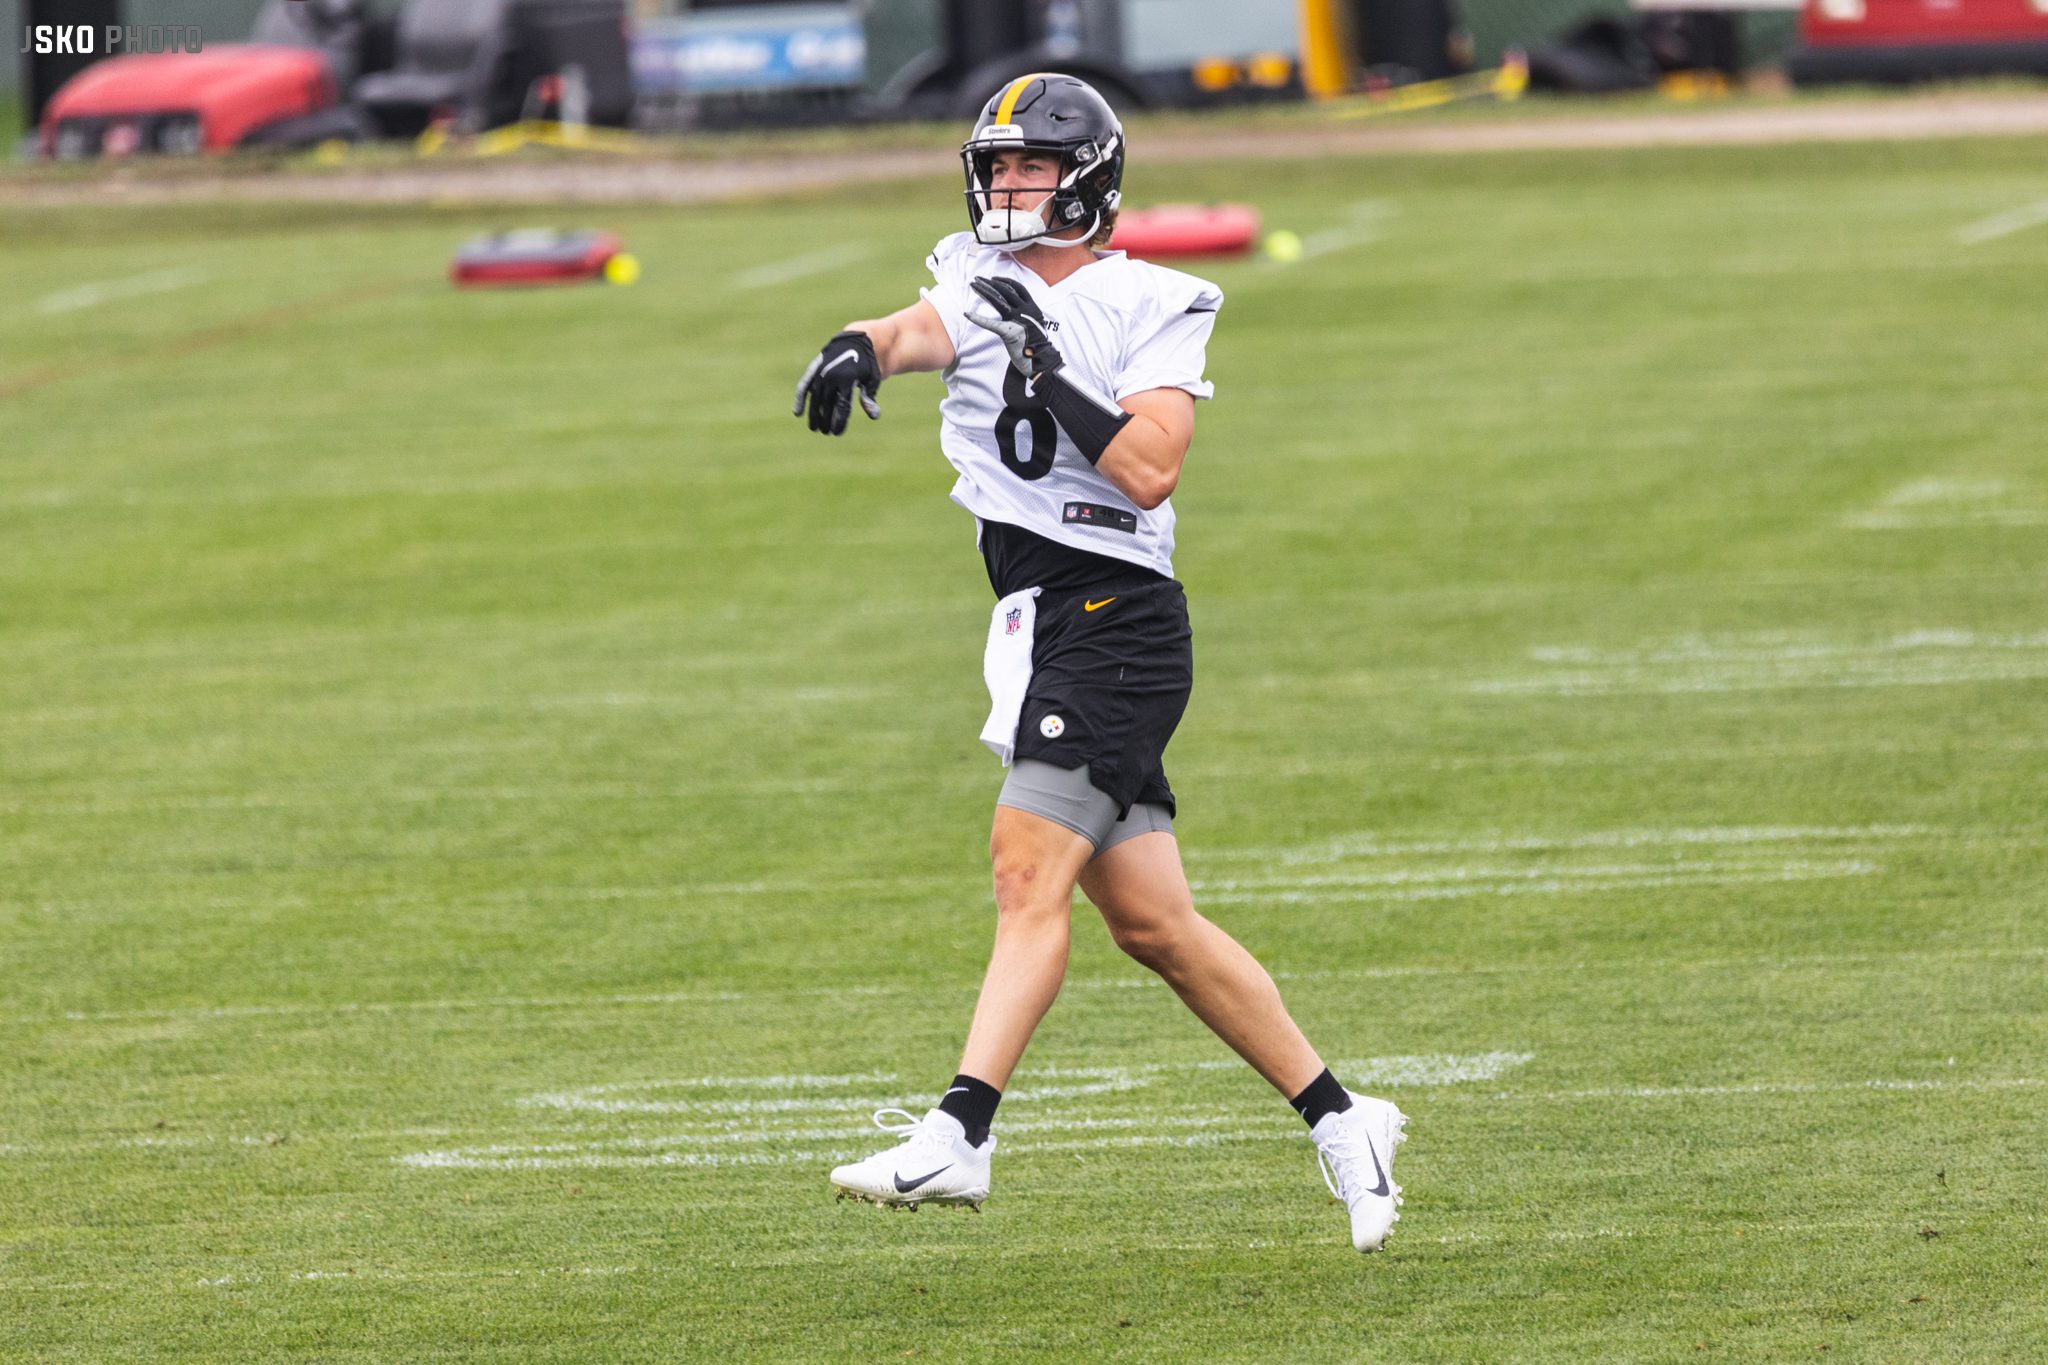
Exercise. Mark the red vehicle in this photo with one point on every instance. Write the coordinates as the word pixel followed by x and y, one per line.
pixel 184 102
pixel 287 85
pixel 1917 40
pixel 320 69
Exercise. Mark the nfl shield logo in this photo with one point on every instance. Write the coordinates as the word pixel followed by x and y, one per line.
pixel 1011 618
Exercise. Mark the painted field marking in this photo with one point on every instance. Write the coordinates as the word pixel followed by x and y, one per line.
pixel 1210 1129
pixel 1517 1234
pixel 1342 849
pixel 1955 520
pixel 1666 1092
pixel 800 267
pixel 1367 217
pixel 1552 884
pixel 688 1148
pixel 1780 660
pixel 722 1118
pixel 2004 224
pixel 1365 845
pixel 106 291
pixel 1039 1084
pixel 1436 876
pixel 1946 504
pixel 573 1102
pixel 1364 222
pixel 1778 962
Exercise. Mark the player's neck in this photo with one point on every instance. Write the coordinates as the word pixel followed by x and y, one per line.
pixel 1054 263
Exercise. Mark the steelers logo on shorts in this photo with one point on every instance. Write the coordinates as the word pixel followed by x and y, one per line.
pixel 1052 727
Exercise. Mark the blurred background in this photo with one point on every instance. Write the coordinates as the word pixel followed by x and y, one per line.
pixel 474 771
pixel 674 64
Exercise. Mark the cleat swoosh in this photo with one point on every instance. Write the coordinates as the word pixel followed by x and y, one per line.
pixel 1384 1187
pixel 906 1186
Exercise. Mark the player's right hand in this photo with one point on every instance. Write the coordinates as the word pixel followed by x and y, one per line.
pixel 846 365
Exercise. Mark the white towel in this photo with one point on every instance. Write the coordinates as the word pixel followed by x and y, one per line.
pixel 1006 668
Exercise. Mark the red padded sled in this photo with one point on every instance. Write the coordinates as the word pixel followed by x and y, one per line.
pixel 533 256
pixel 1187 230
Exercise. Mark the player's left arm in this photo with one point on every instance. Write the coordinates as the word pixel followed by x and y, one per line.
pixel 1145 457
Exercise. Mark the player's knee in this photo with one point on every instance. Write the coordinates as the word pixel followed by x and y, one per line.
pixel 1153 941
pixel 1024 886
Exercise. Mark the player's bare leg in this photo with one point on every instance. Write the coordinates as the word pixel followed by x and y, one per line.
pixel 1143 895
pixel 943 1158
pixel 1036 861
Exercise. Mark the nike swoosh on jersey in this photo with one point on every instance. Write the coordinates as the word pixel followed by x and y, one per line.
pixel 906 1186
pixel 1097 606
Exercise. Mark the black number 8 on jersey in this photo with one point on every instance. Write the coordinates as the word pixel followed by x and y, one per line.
pixel 1025 409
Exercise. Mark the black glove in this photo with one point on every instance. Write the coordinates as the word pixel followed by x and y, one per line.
pixel 1091 421
pixel 847 363
pixel 1020 325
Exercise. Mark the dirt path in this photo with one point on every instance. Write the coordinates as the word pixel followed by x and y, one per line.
pixel 660 181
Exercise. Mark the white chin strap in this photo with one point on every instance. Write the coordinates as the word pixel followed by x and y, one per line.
pixel 1015 229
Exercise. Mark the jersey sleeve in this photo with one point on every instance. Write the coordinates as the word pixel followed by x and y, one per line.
pixel 948 293
pixel 1170 346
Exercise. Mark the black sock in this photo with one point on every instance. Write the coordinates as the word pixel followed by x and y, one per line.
pixel 974 1104
pixel 1323 1096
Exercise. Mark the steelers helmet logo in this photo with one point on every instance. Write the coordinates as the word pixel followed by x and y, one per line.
pixel 1052 727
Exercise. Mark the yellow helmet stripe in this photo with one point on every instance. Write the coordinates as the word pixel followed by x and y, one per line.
pixel 1008 107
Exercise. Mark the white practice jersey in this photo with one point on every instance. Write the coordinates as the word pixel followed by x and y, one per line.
pixel 1122 327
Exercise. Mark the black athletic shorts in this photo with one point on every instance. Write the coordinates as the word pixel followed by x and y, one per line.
pixel 1110 677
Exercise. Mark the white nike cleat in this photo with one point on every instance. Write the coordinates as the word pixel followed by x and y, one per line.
pixel 932 1165
pixel 1356 1152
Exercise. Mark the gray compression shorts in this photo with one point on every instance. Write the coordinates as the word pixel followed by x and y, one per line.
pixel 1065 797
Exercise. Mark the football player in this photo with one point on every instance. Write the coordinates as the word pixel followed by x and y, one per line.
pixel 1071 377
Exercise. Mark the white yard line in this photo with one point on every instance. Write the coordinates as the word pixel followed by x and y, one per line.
pixel 1437 876
pixel 1362 845
pixel 726 1120
pixel 575 1102
pixel 800 267
pixel 1947 504
pixel 1780 661
pixel 1776 647
pixel 691 1145
pixel 1771 1088
pixel 1368 217
pixel 1625 681
pixel 1037 1085
pixel 1521 1232
pixel 1547 885
pixel 2004 224
pixel 1951 519
pixel 1211 1129
pixel 1364 223
pixel 106 291
pixel 1816 961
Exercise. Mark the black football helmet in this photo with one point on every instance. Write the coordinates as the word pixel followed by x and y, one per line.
pixel 1061 115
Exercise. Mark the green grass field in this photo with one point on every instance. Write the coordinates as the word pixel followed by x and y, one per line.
pixel 489 804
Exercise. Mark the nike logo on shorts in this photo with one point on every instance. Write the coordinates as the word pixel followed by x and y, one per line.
pixel 1097 606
